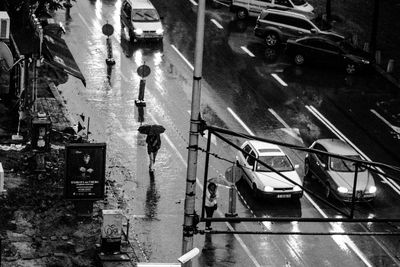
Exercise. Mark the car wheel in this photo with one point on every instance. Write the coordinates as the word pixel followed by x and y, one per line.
pixel 299 59
pixel 255 191
pixel 271 39
pixel 350 68
pixel 307 172
pixel 327 191
pixel 242 13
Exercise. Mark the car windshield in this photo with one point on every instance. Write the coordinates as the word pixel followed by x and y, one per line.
pixel 279 163
pixel 299 2
pixel 341 165
pixel 145 15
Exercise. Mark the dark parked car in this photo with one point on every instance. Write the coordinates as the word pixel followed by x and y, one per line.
pixel 337 175
pixel 324 51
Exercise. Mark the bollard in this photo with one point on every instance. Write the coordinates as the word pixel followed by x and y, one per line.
pixel 140 101
pixel 232 195
pixel 390 66
pixel 109 60
pixel 378 57
pixel 127 231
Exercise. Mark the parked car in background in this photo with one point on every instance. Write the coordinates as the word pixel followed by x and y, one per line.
pixel 141 19
pixel 277 26
pixel 325 52
pixel 262 180
pixel 337 175
pixel 245 8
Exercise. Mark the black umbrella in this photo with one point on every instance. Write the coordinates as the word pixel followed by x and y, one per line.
pixel 151 129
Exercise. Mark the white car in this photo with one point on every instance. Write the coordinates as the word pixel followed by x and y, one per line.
pixel 142 20
pixel 263 181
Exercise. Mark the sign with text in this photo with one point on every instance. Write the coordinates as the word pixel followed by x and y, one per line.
pixel 85 171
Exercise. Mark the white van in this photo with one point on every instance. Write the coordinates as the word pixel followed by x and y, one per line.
pixel 245 8
pixel 142 20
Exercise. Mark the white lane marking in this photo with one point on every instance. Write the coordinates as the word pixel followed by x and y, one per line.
pixel 184 59
pixel 219 26
pixel 340 240
pixel 240 121
pixel 282 82
pixel 193 3
pixel 316 113
pixel 247 51
pixel 291 131
pixel 394 128
pixel 340 135
pixel 238 238
pixel 84 22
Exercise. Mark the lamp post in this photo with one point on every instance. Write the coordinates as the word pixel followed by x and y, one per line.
pixel 188 228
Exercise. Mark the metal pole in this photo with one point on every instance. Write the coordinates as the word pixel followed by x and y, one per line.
pixel 187 242
pixel 353 199
pixel 232 195
pixel 207 160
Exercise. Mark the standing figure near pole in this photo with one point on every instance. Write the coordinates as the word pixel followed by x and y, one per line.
pixel 211 202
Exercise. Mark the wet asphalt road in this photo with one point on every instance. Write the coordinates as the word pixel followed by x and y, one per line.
pixel 235 85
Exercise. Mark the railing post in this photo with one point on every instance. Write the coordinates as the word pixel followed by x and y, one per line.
pixel 354 190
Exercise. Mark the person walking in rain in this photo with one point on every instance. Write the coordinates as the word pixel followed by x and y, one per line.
pixel 153 141
pixel 211 202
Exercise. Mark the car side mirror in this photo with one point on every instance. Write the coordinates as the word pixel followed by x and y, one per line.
pixel 313 31
pixel 323 165
pixel 296 166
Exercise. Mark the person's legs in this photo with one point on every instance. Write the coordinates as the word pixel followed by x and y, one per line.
pixel 209 214
pixel 154 156
pixel 151 159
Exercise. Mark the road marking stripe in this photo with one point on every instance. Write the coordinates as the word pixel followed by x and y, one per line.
pixel 394 128
pixel 240 121
pixel 291 131
pixel 184 59
pixel 282 82
pixel 316 113
pixel 193 2
pixel 217 24
pixel 247 51
pixel 246 249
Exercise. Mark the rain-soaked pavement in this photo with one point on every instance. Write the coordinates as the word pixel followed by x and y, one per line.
pixel 154 203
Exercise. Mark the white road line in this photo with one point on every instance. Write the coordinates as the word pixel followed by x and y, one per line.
pixel 240 121
pixel 217 24
pixel 290 131
pixel 316 113
pixel 394 128
pixel 184 59
pixel 244 246
pixel 340 135
pixel 193 3
pixel 282 82
pixel 340 240
pixel 247 51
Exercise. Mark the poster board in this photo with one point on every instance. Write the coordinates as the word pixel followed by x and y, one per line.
pixel 85 171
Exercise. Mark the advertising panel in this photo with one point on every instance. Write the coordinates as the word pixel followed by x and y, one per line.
pixel 85 171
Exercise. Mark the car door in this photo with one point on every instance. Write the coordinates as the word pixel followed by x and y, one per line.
pixel 243 161
pixel 249 168
pixel 319 163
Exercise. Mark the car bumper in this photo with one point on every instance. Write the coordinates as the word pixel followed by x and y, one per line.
pixel 358 198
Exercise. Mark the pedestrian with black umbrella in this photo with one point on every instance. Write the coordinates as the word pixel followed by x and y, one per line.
pixel 153 141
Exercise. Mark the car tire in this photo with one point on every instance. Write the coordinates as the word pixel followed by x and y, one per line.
pixel 299 59
pixel 242 13
pixel 351 68
pixel 271 39
pixel 255 191
pixel 307 172
pixel 328 192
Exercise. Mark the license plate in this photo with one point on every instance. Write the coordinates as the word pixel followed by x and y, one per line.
pixel 284 196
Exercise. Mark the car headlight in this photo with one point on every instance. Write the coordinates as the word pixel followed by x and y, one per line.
pixel 372 189
pixel 268 188
pixel 365 61
pixel 296 188
pixel 159 31
pixel 138 31
pixel 342 190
